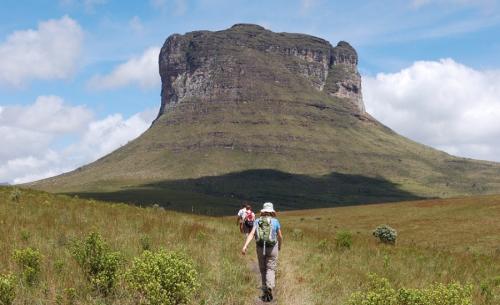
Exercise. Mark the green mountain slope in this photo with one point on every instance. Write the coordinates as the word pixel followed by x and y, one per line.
pixel 251 114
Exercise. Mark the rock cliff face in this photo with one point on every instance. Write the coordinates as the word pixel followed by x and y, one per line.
pixel 208 66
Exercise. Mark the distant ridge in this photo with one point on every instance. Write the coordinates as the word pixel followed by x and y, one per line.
pixel 247 113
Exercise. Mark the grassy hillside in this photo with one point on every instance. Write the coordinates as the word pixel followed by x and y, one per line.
pixel 439 241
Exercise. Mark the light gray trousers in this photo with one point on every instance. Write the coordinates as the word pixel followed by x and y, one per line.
pixel 268 262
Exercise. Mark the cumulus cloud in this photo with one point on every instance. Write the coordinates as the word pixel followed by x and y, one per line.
pixel 34 137
pixel 443 104
pixel 49 52
pixel 32 128
pixel 141 71
pixel 103 136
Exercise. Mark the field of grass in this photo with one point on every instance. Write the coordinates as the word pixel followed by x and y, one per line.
pixel 438 241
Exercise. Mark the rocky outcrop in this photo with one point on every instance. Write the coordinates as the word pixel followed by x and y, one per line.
pixel 216 66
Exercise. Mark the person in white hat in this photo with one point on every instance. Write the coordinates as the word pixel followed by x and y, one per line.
pixel 268 238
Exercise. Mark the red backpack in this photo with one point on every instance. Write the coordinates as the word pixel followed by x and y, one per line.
pixel 249 218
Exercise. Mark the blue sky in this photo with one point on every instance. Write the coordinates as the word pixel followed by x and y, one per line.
pixel 94 61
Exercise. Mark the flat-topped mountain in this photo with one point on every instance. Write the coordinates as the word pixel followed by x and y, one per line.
pixel 247 113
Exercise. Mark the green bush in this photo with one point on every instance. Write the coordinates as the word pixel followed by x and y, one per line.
pixel 162 278
pixel 7 289
pixel 145 242
pixel 343 240
pixel 380 292
pixel 99 263
pixel 15 195
pixel 386 234
pixel 28 261
pixel 70 294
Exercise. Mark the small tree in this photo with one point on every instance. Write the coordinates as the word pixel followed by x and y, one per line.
pixel 162 278
pixel 28 261
pixel 7 289
pixel 386 234
pixel 99 263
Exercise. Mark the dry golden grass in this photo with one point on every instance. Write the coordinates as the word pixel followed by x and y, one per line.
pixel 438 241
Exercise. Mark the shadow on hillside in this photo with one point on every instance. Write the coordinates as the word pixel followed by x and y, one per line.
pixel 222 195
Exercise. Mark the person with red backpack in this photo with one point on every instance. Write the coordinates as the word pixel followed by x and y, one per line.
pixel 248 220
pixel 268 239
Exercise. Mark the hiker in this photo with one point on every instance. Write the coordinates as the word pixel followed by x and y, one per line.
pixel 242 213
pixel 248 220
pixel 268 238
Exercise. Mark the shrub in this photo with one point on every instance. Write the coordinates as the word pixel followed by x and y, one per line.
pixel 386 234
pixel 7 289
pixel 98 262
pixel 25 235
pixel 28 261
pixel 70 294
pixel 145 242
pixel 297 234
pixel 343 240
pixel 15 195
pixel 323 245
pixel 162 278
pixel 380 292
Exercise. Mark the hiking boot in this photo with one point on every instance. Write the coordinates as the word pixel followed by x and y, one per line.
pixel 267 295
pixel 270 294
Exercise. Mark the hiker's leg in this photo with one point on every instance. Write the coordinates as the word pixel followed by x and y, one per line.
pixel 271 265
pixel 262 265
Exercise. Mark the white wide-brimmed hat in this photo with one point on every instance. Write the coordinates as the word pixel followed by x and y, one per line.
pixel 268 208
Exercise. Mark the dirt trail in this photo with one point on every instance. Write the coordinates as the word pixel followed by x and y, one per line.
pixel 291 287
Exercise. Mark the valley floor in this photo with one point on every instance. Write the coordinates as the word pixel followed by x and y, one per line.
pixel 438 241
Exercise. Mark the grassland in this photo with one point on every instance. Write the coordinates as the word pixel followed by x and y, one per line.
pixel 439 241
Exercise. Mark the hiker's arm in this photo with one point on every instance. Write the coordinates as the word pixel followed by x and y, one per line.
pixel 280 239
pixel 238 220
pixel 249 239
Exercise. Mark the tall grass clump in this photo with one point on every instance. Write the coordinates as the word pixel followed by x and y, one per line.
pixel 99 263
pixel 28 261
pixel 381 292
pixel 343 240
pixel 7 289
pixel 162 278
pixel 386 234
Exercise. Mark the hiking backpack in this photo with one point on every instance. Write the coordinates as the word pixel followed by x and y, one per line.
pixel 264 232
pixel 249 219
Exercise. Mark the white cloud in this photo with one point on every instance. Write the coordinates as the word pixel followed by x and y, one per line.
pixel 141 71
pixel 31 128
pixel 47 114
pixel 103 136
pixel 49 52
pixel 34 146
pixel 440 103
